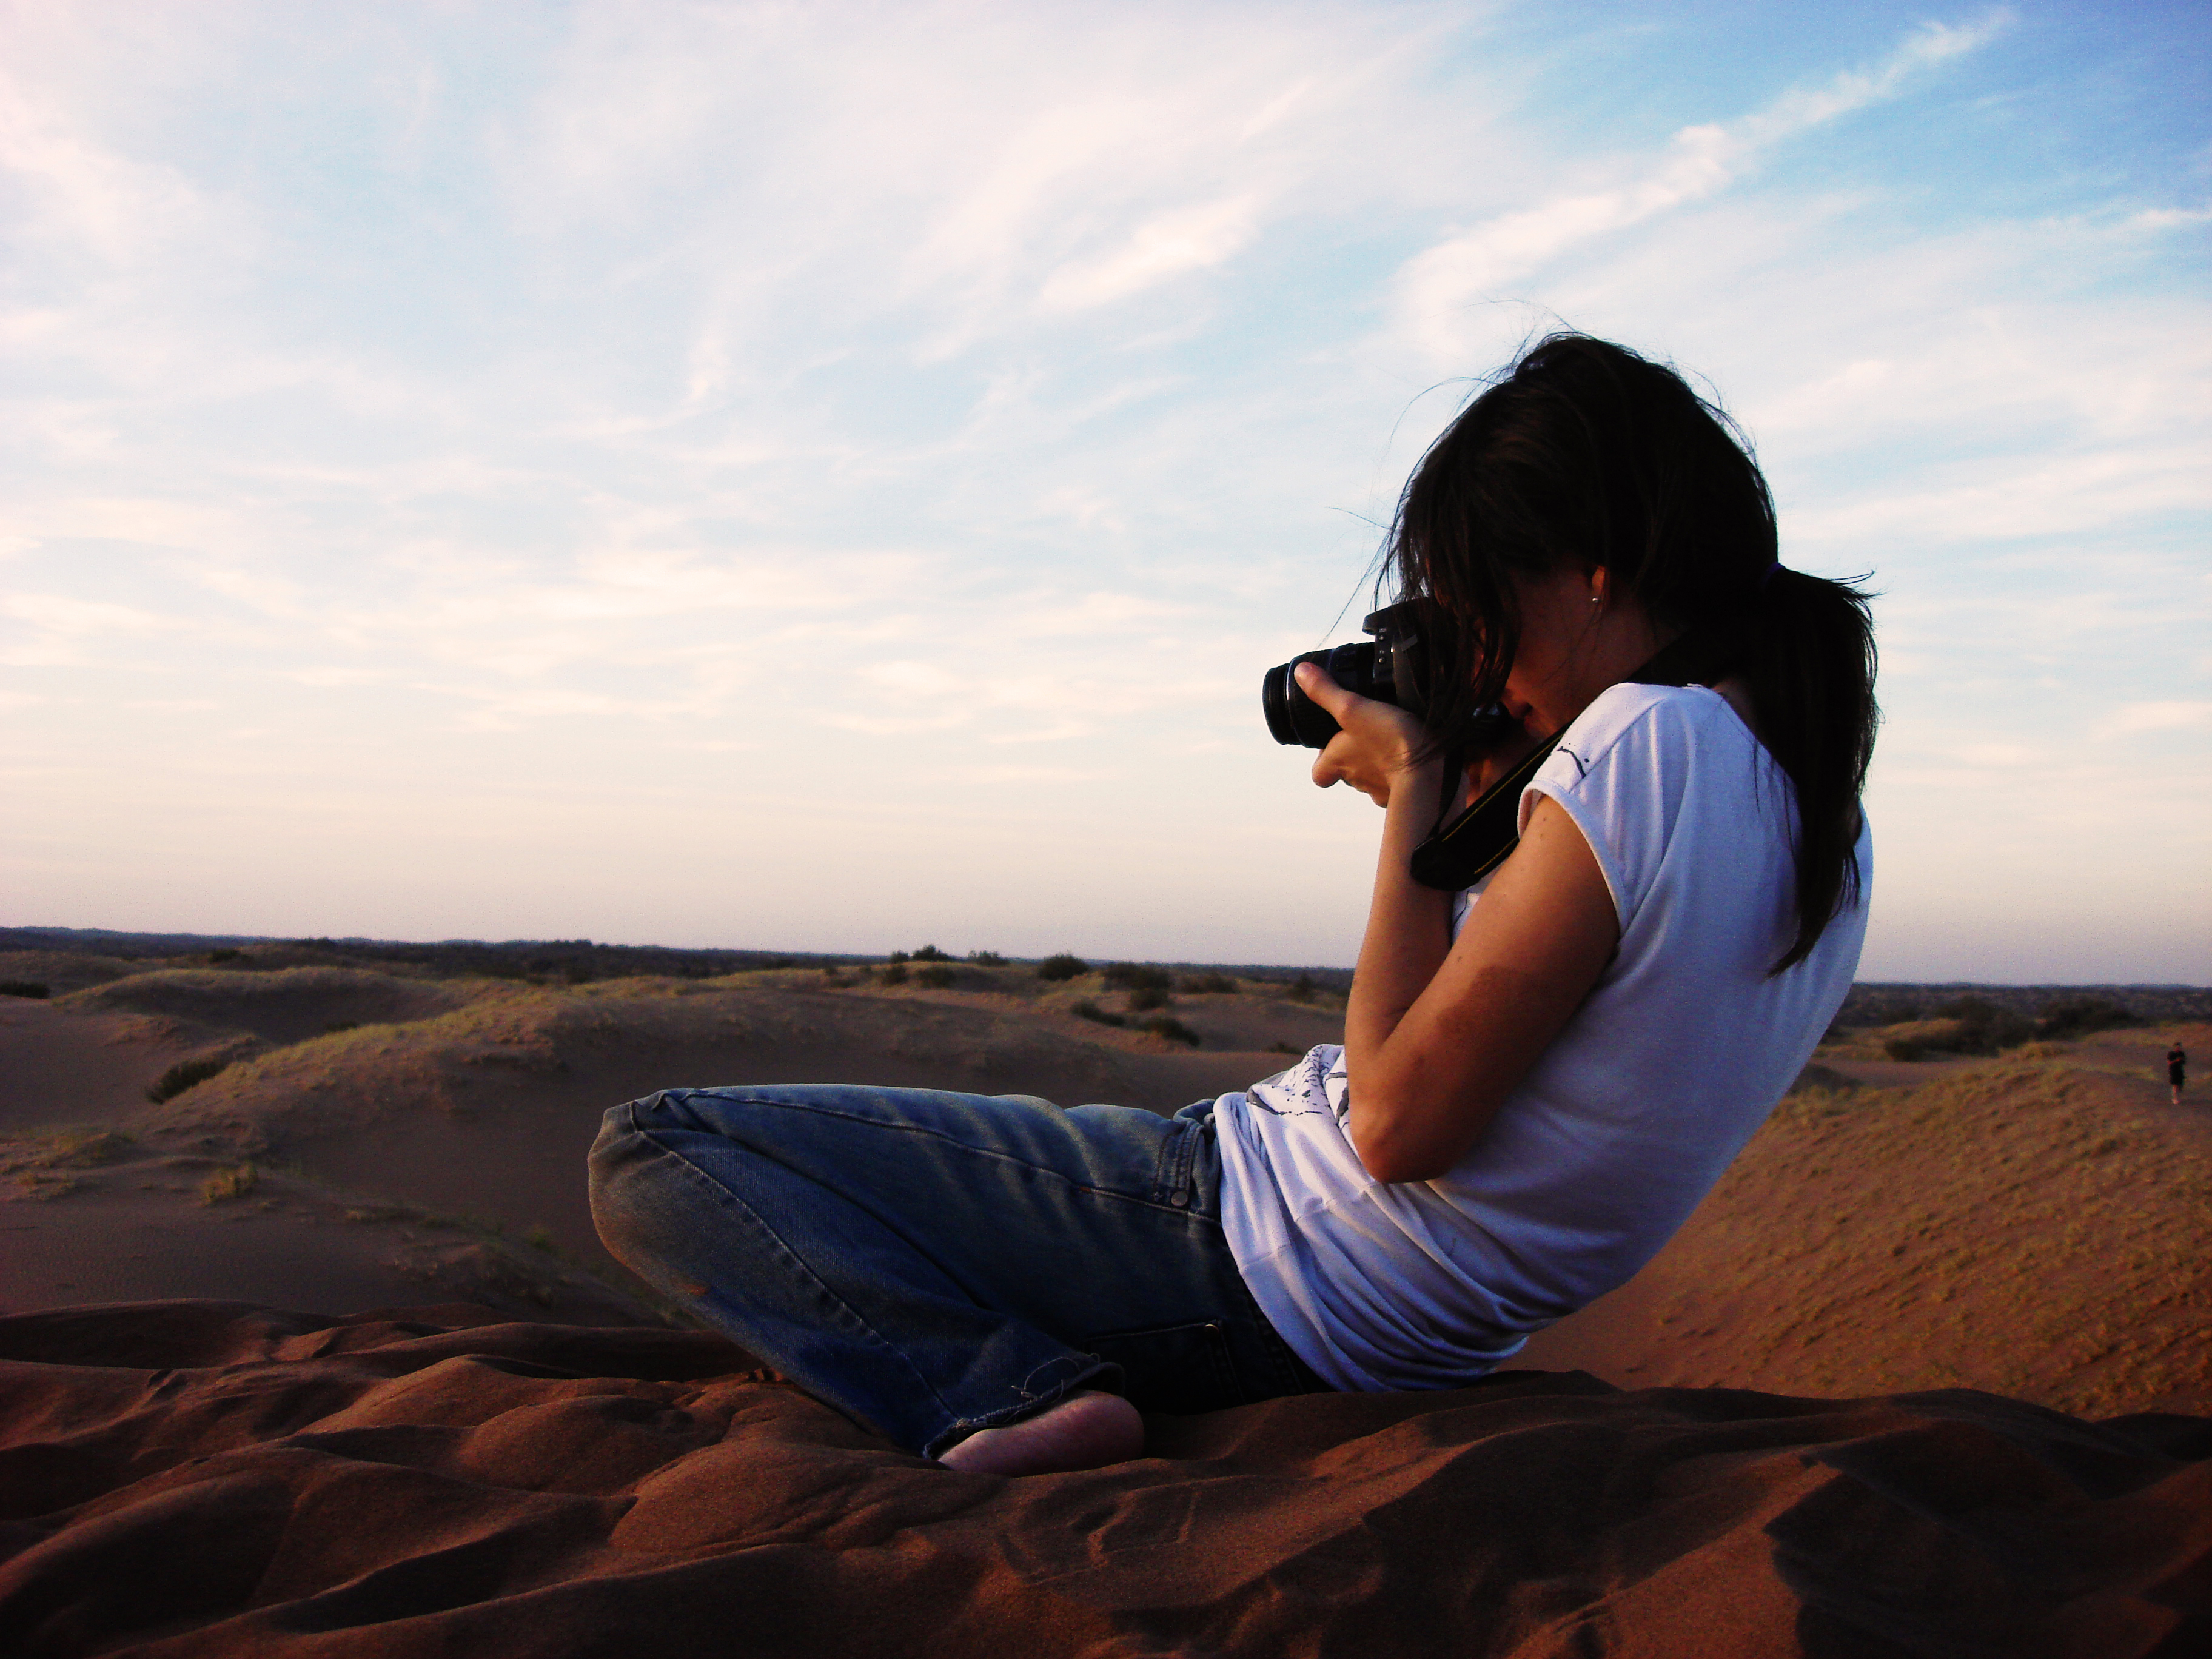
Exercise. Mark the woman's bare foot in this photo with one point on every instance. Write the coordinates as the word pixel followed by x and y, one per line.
pixel 1085 1430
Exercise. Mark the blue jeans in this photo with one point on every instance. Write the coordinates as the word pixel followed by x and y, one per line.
pixel 933 1264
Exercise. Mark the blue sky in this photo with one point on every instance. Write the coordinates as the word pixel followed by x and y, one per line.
pixel 830 476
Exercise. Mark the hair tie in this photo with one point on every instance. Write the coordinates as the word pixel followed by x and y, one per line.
pixel 1766 577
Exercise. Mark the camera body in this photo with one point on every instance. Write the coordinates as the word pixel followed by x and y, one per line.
pixel 1394 667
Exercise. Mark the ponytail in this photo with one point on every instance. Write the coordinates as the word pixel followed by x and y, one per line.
pixel 1809 663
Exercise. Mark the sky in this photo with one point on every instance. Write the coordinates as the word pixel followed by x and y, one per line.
pixel 831 477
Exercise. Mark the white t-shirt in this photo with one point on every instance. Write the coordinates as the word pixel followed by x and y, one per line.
pixel 1627 1119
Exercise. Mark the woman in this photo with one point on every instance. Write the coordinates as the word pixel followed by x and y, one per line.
pixel 1541 1075
pixel 2177 1069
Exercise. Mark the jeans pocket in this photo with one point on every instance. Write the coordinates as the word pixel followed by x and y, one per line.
pixel 1178 1369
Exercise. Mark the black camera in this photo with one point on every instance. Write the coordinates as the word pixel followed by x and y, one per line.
pixel 1394 668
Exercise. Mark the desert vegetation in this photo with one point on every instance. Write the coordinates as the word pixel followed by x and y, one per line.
pixel 1063 965
pixel 49 1164
pixel 1976 1024
pixel 186 1074
pixel 1168 1026
pixel 225 1186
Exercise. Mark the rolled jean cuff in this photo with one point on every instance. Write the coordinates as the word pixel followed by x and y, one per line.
pixel 1101 1374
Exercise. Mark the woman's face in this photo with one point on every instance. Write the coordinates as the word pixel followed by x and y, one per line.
pixel 1577 637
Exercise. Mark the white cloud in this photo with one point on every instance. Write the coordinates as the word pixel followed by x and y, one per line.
pixel 1191 239
pixel 2013 497
pixel 2158 717
pixel 77 618
pixel 1434 288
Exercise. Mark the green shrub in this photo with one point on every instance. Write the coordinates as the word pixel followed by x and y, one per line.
pixel 1209 984
pixel 2078 1016
pixel 1302 988
pixel 1065 965
pixel 227 1184
pixel 898 956
pixel 1173 1029
pixel 1146 997
pixel 25 987
pixel 986 958
pixel 1880 1008
pixel 895 974
pixel 1087 1009
pixel 1136 976
pixel 935 977
pixel 1984 1027
pixel 1966 1025
pixel 931 953
pixel 184 1074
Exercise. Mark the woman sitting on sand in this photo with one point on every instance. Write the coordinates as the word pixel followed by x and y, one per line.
pixel 1540 1076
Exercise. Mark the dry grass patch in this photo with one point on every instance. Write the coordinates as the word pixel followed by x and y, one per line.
pixel 45 1165
pixel 225 1186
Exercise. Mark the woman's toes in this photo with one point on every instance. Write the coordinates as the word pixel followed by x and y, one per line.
pixel 1085 1430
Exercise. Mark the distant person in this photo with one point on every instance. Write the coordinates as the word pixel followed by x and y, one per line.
pixel 2176 1064
pixel 1542 1073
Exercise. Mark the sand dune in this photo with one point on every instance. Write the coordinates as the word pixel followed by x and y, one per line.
pixel 2030 1224
pixel 471 1103
pixel 197 1479
pixel 506 1472
pixel 2033 1225
pixel 287 1005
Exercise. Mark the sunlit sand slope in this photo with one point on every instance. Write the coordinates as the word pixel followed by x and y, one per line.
pixel 2035 1225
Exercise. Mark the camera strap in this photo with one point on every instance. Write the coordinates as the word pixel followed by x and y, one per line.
pixel 1458 854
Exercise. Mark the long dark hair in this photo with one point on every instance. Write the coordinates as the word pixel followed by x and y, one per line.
pixel 1585 453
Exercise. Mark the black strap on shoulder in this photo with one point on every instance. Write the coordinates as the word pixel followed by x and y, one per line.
pixel 1458 854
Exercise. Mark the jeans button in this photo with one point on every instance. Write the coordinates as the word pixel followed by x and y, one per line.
pixel 1181 1200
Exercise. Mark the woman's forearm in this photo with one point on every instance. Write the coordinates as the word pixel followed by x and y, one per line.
pixel 1408 926
pixel 1446 1032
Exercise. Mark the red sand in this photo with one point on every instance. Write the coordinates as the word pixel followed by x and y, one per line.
pixel 192 1479
pixel 204 1477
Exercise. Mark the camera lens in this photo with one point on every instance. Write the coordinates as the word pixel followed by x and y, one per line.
pixel 1292 716
pixel 1285 704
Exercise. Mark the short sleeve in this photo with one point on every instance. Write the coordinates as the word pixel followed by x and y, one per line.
pixel 1620 772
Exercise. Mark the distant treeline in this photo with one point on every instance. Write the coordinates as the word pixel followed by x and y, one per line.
pixel 579 961
pixel 1874 1005
pixel 575 961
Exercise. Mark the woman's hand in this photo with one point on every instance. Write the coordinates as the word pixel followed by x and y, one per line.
pixel 1374 752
